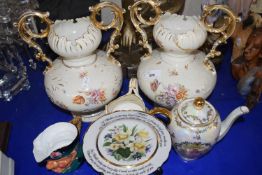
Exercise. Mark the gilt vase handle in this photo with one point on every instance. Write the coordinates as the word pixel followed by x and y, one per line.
pixel 28 35
pixel 137 20
pixel 116 23
pixel 226 30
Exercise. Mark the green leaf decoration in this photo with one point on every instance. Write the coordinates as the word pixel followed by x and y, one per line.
pixel 131 158
pixel 107 144
pixel 113 140
pixel 124 152
pixel 133 130
pixel 117 156
pixel 125 128
pixel 139 155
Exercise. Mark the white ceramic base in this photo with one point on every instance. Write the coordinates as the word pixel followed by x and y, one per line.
pixel 90 117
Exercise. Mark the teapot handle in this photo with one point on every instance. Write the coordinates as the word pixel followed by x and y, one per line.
pixel 137 20
pixel 116 23
pixel 165 112
pixel 28 35
pixel 226 29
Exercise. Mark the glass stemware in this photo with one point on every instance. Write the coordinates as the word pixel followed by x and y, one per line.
pixel 13 72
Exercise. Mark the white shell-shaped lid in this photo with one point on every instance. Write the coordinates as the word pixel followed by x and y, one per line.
pixel 196 112
pixel 52 138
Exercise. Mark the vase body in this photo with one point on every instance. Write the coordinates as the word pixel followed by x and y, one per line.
pixel 177 70
pixel 83 86
pixel 167 79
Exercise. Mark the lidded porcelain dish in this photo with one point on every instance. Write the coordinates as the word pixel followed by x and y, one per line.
pixel 83 79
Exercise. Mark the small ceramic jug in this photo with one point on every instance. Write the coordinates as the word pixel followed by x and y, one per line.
pixel 195 126
pixel 58 146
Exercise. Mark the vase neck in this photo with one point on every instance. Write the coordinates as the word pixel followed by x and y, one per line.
pixel 175 56
pixel 78 62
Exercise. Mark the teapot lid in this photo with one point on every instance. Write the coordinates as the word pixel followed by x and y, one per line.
pixel 196 112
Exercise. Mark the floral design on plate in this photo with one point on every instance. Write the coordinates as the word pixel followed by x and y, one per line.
pixel 172 94
pixel 127 144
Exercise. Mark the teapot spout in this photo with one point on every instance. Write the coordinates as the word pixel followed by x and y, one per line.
pixel 227 123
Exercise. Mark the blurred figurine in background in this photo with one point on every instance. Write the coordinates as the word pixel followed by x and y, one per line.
pixel 256 6
pixel 247 68
pixel 241 7
pixel 242 32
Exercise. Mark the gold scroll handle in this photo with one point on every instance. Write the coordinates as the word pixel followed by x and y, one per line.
pixel 165 112
pixel 117 23
pixel 226 30
pixel 137 20
pixel 28 35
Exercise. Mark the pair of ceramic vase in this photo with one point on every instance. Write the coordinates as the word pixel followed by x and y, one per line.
pixel 83 79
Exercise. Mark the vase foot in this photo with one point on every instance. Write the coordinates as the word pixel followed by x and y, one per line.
pixel 89 116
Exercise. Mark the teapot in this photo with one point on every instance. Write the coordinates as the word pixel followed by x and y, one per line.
pixel 177 70
pixel 195 126
pixel 82 79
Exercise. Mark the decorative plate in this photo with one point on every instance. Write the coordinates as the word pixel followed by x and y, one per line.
pixel 127 142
